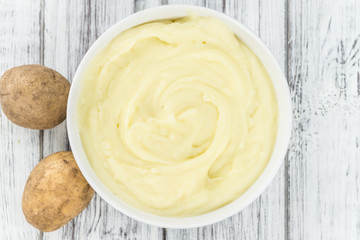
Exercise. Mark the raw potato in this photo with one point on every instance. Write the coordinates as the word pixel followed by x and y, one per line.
pixel 34 96
pixel 55 192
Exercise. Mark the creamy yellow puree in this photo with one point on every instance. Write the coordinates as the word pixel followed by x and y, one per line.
pixel 177 118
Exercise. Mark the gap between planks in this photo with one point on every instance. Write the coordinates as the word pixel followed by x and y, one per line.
pixel 42 46
pixel 286 161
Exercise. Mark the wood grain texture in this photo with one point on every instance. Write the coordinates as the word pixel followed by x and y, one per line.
pixel 19 147
pixel 324 166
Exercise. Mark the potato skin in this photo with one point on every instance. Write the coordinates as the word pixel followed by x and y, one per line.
pixel 55 192
pixel 34 96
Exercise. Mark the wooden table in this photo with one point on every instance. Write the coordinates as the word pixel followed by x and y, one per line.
pixel 316 193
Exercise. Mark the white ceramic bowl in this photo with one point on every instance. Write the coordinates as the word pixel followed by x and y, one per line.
pixel 283 134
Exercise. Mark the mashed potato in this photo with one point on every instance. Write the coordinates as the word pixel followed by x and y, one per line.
pixel 177 118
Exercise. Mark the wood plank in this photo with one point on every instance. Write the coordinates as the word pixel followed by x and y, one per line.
pixel 70 29
pixel 19 147
pixel 324 168
pixel 144 4
pixel 264 218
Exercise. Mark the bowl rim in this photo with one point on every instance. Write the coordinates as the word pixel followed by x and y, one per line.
pixel 284 125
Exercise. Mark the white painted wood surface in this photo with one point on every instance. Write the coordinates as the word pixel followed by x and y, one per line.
pixel 316 193
pixel 324 160
pixel 19 147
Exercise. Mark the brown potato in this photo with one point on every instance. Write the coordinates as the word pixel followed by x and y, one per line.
pixel 55 192
pixel 34 96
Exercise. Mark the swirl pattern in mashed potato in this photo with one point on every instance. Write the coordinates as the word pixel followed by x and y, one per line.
pixel 178 118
